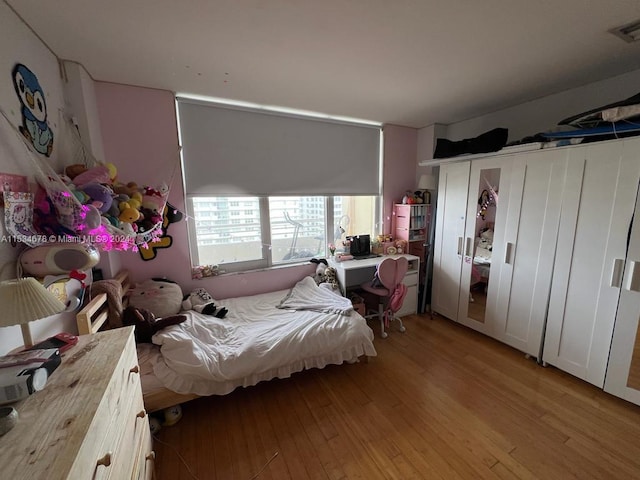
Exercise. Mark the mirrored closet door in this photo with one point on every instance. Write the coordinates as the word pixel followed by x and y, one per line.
pixel 483 241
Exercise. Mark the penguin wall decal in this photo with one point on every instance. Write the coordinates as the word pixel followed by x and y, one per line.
pixel 34 110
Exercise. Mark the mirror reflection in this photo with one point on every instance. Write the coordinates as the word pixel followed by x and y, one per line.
pixel 483 246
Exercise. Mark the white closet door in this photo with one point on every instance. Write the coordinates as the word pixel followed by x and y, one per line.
pixel 597 210
pixel 478 282
pixel 451 210
pixel 524 259
pixel 623 370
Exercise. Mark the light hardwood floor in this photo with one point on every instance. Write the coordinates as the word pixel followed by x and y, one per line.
pixel 438 402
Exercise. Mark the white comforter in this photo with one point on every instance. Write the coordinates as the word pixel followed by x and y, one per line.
pixel 262 337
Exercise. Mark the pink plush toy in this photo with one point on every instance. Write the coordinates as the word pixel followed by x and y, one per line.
pixel 99 174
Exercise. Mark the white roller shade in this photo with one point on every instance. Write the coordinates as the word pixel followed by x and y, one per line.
pixel 231 151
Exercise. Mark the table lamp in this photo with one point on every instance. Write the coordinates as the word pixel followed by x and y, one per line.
pixel 25 300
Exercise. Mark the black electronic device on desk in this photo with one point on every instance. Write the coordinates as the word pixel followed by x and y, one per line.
pixel 360 247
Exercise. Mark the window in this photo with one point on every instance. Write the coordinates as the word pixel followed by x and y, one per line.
pixel 280 230
pixel 323 182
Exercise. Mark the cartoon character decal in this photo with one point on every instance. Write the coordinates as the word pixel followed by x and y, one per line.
pixel 170 215
pixel 18 215
pixel 34 110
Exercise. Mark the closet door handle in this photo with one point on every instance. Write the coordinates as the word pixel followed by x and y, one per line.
pixel 507 252
pixel 616 275
pixel 460 240
pixel 634 278
pixel 467 250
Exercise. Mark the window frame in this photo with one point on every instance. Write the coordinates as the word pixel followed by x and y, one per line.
pixel 266 262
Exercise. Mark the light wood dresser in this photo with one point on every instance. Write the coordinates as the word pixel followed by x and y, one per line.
pixel 88 422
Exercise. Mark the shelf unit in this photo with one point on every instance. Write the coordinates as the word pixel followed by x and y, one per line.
pixel 411 223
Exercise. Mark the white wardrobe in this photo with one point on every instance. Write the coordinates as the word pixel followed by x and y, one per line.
pixel 525 227
pixel 597 212
pixel 562 273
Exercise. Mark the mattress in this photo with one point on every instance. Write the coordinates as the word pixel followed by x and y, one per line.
pixel 256 341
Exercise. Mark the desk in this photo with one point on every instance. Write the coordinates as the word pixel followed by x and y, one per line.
pixel 352 273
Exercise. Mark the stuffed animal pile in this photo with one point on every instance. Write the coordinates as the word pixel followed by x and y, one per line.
pixel 83 199
pixel 153 305
pixel 159 298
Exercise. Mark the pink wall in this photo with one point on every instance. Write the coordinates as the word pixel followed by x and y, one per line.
pixel 400 167
pixel 140 137
pixel 139 133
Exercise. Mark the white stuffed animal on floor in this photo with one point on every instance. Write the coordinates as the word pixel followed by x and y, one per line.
pixel 164 418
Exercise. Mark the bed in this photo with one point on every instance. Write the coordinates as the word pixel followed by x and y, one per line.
pixel 265 336
pixel 482 256
pixel 482 264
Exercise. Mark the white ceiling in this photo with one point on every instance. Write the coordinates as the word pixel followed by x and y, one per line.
pixel 403 62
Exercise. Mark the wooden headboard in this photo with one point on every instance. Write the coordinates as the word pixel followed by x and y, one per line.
pixel 95 313
pixel 93 316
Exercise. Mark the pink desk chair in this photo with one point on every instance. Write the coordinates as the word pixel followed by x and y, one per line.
pixel 391 291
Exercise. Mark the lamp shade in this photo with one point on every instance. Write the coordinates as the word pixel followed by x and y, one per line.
pixel 25 300
pixel 427 182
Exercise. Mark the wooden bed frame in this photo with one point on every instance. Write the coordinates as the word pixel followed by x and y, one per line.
pixel 93 316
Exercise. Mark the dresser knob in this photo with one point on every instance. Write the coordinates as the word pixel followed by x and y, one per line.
pixel 135 369
pixel 141 414
pixel 106 460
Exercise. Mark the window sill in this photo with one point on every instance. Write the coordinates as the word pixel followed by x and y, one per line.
pixel 223 273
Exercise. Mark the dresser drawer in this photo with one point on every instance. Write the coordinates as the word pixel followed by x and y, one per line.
pixel 411 278
pixel 110 416
pixel 125 382
pixel 123 405
pixel 145 464
pixel 402 220
pixel 121 450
